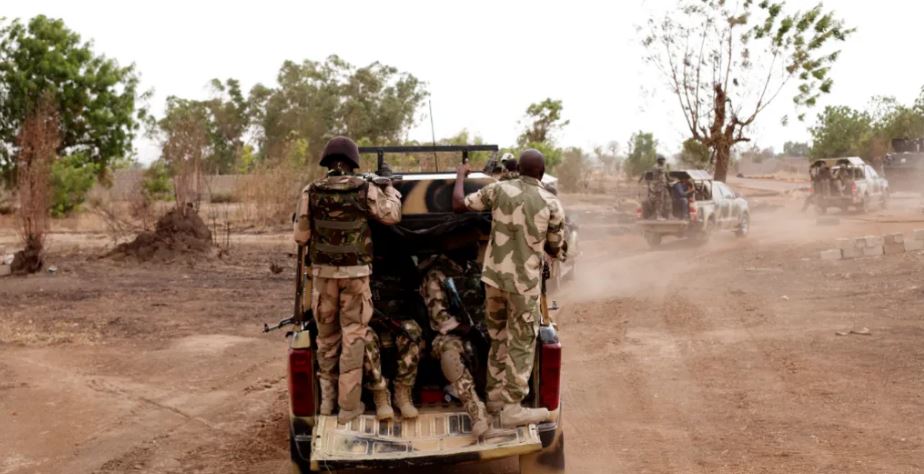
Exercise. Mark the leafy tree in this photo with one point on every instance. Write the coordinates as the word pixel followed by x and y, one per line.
pixel 228 120
pixel 542 121
pixel 71 179
pixel 642 153
pixel 695 155
pixel 94 97
pixel 841 131
pixel 314 100
pixel 727 61
pixel 796 149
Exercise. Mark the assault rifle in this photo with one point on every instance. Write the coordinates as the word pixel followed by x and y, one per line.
pixel 299 315
pixel 456 307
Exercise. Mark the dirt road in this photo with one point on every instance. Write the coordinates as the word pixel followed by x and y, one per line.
pixel 717 358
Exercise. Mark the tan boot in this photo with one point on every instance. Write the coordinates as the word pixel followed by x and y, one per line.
pixel 514 415
pixel 346 416
pixel 328 396
pixel 404 402
pixel 383 410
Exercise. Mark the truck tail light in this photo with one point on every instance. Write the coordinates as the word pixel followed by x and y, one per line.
pixel 550 373
pixel 638 212
pixel 853 188
pixel 301 382
pixel 692 212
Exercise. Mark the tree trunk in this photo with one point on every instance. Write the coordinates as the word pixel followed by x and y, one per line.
pixel 722 154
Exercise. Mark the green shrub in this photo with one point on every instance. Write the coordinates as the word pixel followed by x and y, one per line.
pixel 157 184
pixel 71 180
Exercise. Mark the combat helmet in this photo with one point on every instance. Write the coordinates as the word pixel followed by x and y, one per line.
pixel 660 158
pixel 340 147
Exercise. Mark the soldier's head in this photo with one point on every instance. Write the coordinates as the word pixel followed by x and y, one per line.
pixel 661 159
pixel 340 153
pixel 532 163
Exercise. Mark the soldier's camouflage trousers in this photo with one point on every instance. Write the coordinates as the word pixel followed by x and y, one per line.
pixel 449 350
pixel 342 308
pixel 408 345
pixel 513 325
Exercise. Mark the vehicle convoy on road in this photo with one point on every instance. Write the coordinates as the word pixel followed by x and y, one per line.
pixel 847 183
pixel 441 434
pixel 712 206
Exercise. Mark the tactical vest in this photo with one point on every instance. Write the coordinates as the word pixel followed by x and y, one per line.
pixel 340 234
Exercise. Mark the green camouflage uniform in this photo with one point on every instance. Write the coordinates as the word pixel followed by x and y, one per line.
pixel 408 342
pixel 331 220
pixel 525 219
pixel 449 348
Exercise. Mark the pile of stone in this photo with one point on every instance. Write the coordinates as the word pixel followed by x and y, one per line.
pixel 875 246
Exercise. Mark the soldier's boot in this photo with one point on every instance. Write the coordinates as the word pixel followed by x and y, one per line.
pixel 514 415
pixel 465 388
pixel 328 396
pixel 383 410
pixel 456 374
pixel 346 416
pixel 404 402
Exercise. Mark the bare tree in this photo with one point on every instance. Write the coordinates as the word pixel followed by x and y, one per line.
pixel 726 61
pixel 185 149
pixel 38 139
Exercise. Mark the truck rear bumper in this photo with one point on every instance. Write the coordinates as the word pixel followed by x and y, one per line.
pixel 436 437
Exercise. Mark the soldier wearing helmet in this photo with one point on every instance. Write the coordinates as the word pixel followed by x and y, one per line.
pixel 331 220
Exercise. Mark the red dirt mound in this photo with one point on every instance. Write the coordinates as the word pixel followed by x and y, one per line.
pixel 177 234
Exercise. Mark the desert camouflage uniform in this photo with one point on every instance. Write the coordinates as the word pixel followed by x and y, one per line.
pixel 525 219
pixel 449 348
pixel 332 220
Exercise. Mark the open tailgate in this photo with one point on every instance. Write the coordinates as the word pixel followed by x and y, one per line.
pixel 436 437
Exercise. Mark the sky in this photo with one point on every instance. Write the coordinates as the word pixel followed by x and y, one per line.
pixel 483 62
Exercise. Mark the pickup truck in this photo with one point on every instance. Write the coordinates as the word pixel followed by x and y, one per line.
pixel 442 432
pixel 715 206
pixel 846 183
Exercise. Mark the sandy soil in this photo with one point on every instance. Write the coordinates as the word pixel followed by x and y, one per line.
pixel 714 358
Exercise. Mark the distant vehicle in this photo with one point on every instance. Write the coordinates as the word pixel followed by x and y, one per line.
pixel 848 183
pixel 442 432
pixel 904 168
pixel 715 207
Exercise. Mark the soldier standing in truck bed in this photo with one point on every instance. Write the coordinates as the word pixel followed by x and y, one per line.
pixel 331 220
pixel 526 220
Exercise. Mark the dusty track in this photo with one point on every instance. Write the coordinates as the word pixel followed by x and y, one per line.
pixel 687 359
